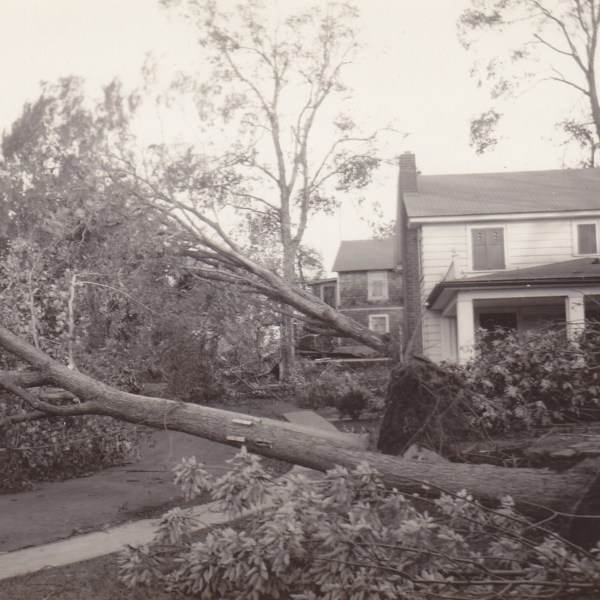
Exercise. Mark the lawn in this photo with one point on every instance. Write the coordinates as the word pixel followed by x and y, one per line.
pixel 90 580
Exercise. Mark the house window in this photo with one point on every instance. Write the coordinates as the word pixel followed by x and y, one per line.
pixel 488 249
pixel 329 295
pixel 492 321
pixel 587 239
pixel 379 324
pixel 377 285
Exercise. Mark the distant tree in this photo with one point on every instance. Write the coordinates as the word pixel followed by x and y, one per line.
pixel 539 40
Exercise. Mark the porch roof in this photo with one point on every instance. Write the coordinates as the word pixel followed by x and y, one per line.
pixel 580 272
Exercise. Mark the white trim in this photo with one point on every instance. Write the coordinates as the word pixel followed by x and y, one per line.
pixel 470 246
pixel 570 214
pixel 575 234
pixel 387 321
pixel 499 294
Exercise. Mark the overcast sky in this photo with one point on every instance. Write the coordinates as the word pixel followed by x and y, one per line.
pixel 413 72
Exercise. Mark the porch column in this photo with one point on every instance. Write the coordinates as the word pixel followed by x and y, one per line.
pixel 465 329
pixel 574 313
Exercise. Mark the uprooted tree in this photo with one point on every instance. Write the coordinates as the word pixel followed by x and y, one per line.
pixel 541 492
pixel 279 152
pixel 235 216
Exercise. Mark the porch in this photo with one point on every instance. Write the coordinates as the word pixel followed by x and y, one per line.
pixel 563 294
pixel 521 310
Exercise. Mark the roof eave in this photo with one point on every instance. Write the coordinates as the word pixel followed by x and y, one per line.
pixel 437 293
pixel 415 221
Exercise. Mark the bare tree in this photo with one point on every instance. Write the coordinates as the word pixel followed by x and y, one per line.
pixel 286 153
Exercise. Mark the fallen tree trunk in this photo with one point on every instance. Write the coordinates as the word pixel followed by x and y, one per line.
pixel 532 489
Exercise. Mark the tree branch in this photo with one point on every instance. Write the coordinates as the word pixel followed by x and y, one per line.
pixel 85 408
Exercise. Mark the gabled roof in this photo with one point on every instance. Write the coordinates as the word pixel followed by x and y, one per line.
pixel 505 193
pixel 579 272
pixel 365 255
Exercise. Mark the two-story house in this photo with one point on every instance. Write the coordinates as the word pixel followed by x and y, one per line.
pixel 369 284
pixel 368 288
pixel 502 249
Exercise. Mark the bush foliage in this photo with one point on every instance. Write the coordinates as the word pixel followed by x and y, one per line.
pixel 351 392
pixel 516 382
pixel 345 536
pixel 521 380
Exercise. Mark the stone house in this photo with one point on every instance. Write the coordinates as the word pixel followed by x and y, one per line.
pixel 369 284
pixel 368 288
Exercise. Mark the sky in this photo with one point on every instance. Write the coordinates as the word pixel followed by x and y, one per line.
pixel 412 73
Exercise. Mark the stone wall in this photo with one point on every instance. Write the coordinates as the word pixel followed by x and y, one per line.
pixel 353 290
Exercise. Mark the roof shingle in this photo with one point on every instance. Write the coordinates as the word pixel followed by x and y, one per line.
pixel 365 255
pixel 505 193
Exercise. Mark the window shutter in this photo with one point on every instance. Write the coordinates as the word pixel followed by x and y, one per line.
pixel 586 239
pixel 488 249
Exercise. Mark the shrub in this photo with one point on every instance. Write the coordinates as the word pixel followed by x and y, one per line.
pixel 344 536
pixel 333 386
pixel 522 380
pixel 426 404
pixel 352 403
pixel 59 448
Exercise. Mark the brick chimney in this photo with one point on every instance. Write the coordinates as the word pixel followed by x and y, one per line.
pixel 408 173
pixel 406 254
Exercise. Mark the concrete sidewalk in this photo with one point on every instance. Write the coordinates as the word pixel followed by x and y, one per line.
pixel 30 523
pixel 62 509
pixel 93 545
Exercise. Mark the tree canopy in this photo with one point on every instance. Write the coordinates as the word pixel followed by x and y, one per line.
pixel 280 151
pixel 521 43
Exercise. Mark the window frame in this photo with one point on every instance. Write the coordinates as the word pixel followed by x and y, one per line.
pixel 470 253
pixel 379 316
pixel 575 231
pixel 335 298
pixel 371 279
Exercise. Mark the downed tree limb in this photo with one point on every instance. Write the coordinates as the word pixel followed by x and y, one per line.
pixel 532 489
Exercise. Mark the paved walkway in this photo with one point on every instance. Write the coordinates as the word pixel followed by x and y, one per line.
pixel 32 522
pixel 58 510
pixel 93 545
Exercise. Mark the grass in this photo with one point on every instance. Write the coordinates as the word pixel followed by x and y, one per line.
pixel 94 579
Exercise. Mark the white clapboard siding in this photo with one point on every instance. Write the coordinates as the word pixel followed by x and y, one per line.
pixel 528 243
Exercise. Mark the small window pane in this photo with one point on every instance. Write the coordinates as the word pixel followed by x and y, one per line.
pixel 586 239
pixel 378 324
pixel 329 295
pixel 377 285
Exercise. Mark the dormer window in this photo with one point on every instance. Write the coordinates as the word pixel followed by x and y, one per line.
pixel 587 238
pixel 488 248
pixel 377 282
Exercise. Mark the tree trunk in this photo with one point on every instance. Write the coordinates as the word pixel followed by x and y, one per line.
pixel 287 347
pixel 533 490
